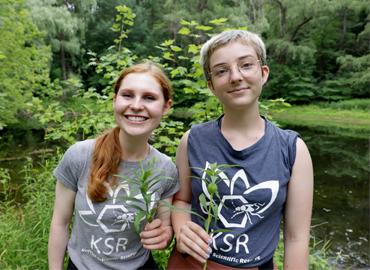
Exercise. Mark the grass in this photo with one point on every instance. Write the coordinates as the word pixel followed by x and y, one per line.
pixel 24 225
pixel 350 118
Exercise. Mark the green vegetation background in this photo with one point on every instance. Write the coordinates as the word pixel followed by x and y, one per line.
pixel 59 59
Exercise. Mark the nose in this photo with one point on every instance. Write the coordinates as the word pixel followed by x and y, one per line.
pixel 235 74
pixel 136 104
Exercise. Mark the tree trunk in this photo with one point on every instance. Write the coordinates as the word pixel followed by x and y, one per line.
pixel 255 11
pixel 202 4
pixel 283 12
pixel 298 27
pixel 63 56
pixel 344 27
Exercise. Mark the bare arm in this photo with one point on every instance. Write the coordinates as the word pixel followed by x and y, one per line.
pixel 298 211
pixel 190 237
pixel 59 232
pixel 158 234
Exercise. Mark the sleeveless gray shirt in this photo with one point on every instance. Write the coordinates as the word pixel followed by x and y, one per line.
pixel 252 194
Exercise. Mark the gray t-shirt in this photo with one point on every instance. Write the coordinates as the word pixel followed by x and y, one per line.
pixel 103 235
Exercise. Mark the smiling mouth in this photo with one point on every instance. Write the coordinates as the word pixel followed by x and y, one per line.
pixel 238 90
pixel 136 118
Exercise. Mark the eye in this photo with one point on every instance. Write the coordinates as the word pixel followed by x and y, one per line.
pixel 126 95
pixel 150 98
pixel 246 65
pixel 221 71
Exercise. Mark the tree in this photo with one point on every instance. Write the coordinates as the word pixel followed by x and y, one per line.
pixel 24 61
pixel 64 23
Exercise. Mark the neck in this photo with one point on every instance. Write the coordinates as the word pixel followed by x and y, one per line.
pixel 133 148
pixel 243 129
pixel 243 120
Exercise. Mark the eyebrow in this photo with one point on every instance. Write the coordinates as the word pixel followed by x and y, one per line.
pixel 145 92
pixel 238 59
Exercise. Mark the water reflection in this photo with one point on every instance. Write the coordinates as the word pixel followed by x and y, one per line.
pixel 341 199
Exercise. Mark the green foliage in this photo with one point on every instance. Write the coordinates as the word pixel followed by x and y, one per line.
pixel 356 74
pixel 67 122
pixel 317 258
pixel 307 62
pixel 23 62
pixel 270 107
pixel 64 24
pixel 144 184
pixel 5 190
pixel 25 225
pixel 343 117
pixel 161 257
pixel 125 17
pixel 212 201
pixel 167 136
pixel 353 104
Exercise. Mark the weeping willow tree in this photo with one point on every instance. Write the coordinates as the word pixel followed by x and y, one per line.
pixel 64 23
pixel 24 61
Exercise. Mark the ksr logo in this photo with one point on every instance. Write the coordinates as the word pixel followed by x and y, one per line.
pixel 242 209
pixel 114 217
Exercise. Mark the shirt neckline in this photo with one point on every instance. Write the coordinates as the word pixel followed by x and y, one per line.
pixel 246 150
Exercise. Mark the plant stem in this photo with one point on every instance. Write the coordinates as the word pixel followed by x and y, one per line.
pixel 208 222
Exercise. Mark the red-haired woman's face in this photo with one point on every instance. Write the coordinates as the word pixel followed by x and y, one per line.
pixel 139 104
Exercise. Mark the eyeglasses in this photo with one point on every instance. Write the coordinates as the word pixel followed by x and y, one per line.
pixel 246 67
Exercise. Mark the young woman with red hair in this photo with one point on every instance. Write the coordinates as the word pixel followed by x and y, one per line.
pixel 103 235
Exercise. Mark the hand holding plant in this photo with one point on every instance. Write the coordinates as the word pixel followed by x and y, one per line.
pixel 192 238
pixel 156 235
pixel 144 185
pixel 211 203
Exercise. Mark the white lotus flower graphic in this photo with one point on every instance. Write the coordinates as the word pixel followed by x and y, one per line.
pixel 243 209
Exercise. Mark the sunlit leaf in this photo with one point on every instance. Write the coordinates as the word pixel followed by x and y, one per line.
pixel 219 21
pixel 184 31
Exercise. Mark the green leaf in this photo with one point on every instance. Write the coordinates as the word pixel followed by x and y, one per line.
pixel 138 218
pixel 204 27
pixel 167 42
pixel 175 48
pixel 168 56
pixel 203 200
pixel 194 49
pixel 146 174
pixel 219 21
pixel 184 22
pixel 184 31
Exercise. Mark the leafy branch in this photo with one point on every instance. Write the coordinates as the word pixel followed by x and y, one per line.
pixel 211 204
pixel 143 185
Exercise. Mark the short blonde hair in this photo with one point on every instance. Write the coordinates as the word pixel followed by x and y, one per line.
pixel 227 37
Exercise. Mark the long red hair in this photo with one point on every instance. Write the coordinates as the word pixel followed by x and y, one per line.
pixel 107 152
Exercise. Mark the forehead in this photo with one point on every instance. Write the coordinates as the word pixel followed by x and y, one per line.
pixel 231 52
pixel 140 81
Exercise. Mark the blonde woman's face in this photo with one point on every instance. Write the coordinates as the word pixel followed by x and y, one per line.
pixel 237 75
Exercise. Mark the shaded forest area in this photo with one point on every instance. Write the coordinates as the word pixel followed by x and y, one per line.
pixel 53 51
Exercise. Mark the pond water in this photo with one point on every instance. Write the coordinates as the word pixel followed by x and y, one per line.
pixel 341 199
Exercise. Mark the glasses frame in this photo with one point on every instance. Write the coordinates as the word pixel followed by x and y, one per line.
pixel 211 73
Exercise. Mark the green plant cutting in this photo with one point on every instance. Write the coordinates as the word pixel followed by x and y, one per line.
pixel 143 185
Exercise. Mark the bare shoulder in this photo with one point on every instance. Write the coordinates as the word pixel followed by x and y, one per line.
pixel 182 163
pixel 303 154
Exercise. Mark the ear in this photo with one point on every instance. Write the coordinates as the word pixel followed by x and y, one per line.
pixel 114 100
pixel 265 74
pixel 167 106
pixel 210 85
